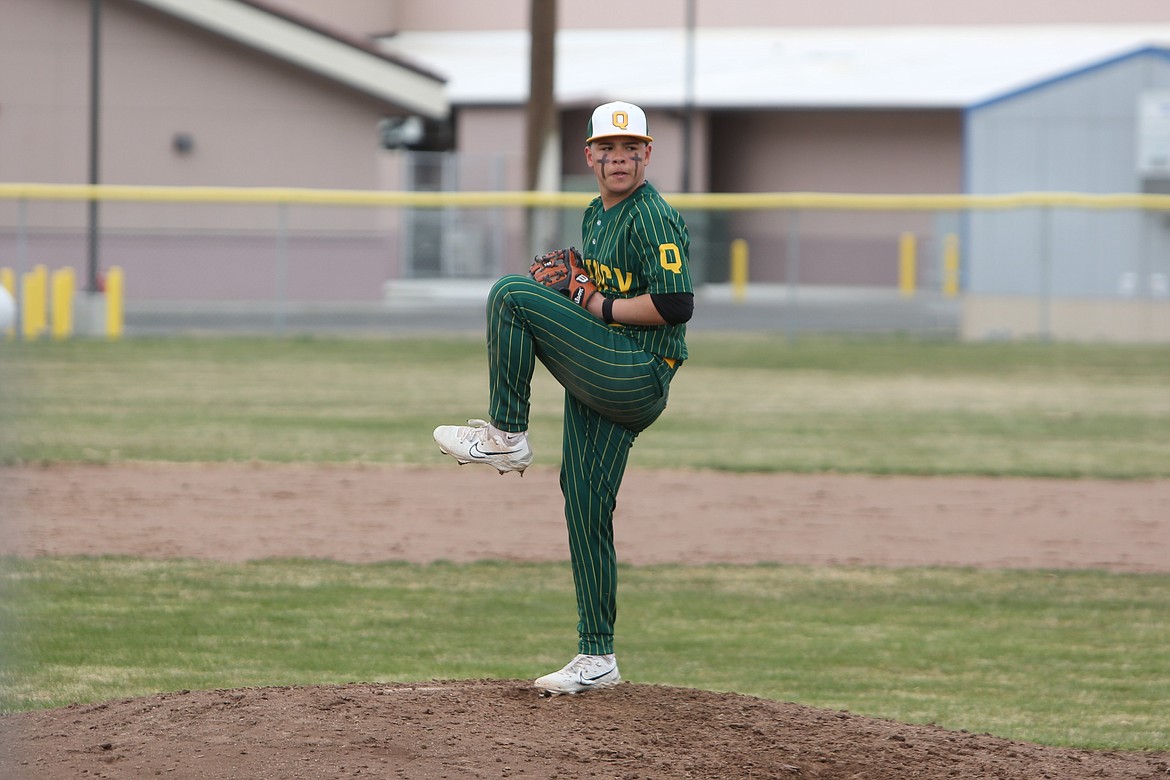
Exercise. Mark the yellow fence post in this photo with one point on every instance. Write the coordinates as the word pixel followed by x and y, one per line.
pixel 8 282
pixel 739 269
pixel 907 264
pixel 61 286
pixel 42 295
pixel 951 265
pixel 33 302
pixel 115 282
pixel 27 298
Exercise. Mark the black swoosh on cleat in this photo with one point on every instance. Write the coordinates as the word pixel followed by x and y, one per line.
pixel 479 454
pixel 590 680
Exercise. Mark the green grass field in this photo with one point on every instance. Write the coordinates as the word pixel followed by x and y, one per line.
pixel 755 404
pixel 1066 658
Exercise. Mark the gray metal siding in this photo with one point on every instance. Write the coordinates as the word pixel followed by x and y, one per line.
pixel 1076 134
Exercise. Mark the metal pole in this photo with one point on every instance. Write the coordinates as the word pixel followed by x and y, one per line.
pixel 95 22
pixel 281 267
pixel 688 96
pixel 793 273
pixel 1046 261
pixel 543 165
pixel 499 240
pixel 21 236
pixel 22 264
pixel 542 107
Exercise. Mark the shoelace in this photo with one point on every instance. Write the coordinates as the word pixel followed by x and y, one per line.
pixel 475 429
pixel 585 663
pixel 478 429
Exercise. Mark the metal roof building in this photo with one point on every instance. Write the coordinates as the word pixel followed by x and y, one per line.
pixel 774 68
pixel 917 109
pixel 1104 128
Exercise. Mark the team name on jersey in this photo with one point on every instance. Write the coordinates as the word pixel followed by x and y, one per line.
pixel 610 278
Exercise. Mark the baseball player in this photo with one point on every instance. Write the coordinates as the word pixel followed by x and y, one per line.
pixel 609 323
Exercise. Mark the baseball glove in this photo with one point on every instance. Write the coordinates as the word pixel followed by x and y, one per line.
pixel 564 271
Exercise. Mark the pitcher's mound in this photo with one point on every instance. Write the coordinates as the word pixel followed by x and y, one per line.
pixel 496 729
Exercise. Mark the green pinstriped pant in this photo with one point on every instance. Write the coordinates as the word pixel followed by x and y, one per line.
pixel 613 391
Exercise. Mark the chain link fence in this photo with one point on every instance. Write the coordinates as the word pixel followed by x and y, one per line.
pixel 1025 265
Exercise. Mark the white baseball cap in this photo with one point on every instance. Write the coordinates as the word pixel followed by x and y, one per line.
pixel 617 118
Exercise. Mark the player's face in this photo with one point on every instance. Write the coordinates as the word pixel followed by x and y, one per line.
pixel 619 164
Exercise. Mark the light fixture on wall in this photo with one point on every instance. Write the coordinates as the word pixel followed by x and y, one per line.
pixel 183 143
pixel 401 132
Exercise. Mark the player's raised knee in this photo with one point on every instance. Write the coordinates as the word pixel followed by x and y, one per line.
pixel 507 285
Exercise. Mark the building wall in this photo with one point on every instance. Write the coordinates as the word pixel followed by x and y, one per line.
pixel 837 151
pixel 256 121
pixel 43 91
pixel 1077 134
pixel 991 317
pixel 834 151
pixel 252 120
pixel 355 17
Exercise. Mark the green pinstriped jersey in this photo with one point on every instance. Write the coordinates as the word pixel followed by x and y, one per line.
pixel 639 246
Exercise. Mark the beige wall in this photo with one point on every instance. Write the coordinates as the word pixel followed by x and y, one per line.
pixel 494 133
pixel 835 151
pixel 1065 319
pixel 253 120
pixel 43 91
pixel 362 17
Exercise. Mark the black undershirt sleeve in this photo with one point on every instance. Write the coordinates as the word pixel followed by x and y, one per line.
pixel 675 308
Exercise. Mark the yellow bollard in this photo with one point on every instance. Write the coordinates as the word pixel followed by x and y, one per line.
pixel 28 288
pixel 33 302
pixel 8 282
pixel 907 264
pixel 61 284
pixel 42 295
pixel 42 276
pixel 115 282
pixel 951 265
pixel 739 269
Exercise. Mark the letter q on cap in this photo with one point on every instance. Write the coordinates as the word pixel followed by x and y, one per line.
pixel 618 119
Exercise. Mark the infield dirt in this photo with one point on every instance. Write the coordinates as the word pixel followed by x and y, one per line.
pixel 500 728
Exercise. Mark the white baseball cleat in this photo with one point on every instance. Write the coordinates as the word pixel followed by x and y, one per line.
pixel 475 443
pixel 583 673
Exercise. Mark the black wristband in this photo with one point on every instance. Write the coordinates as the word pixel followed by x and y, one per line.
pixel 607 311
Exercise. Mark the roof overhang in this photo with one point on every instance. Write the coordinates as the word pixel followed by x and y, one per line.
pixel 919 67
pixel 357 66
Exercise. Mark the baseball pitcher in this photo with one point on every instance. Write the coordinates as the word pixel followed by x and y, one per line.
pixel 608 322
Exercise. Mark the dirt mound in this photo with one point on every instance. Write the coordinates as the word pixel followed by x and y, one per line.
pixel 495 729
pixel 478 729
